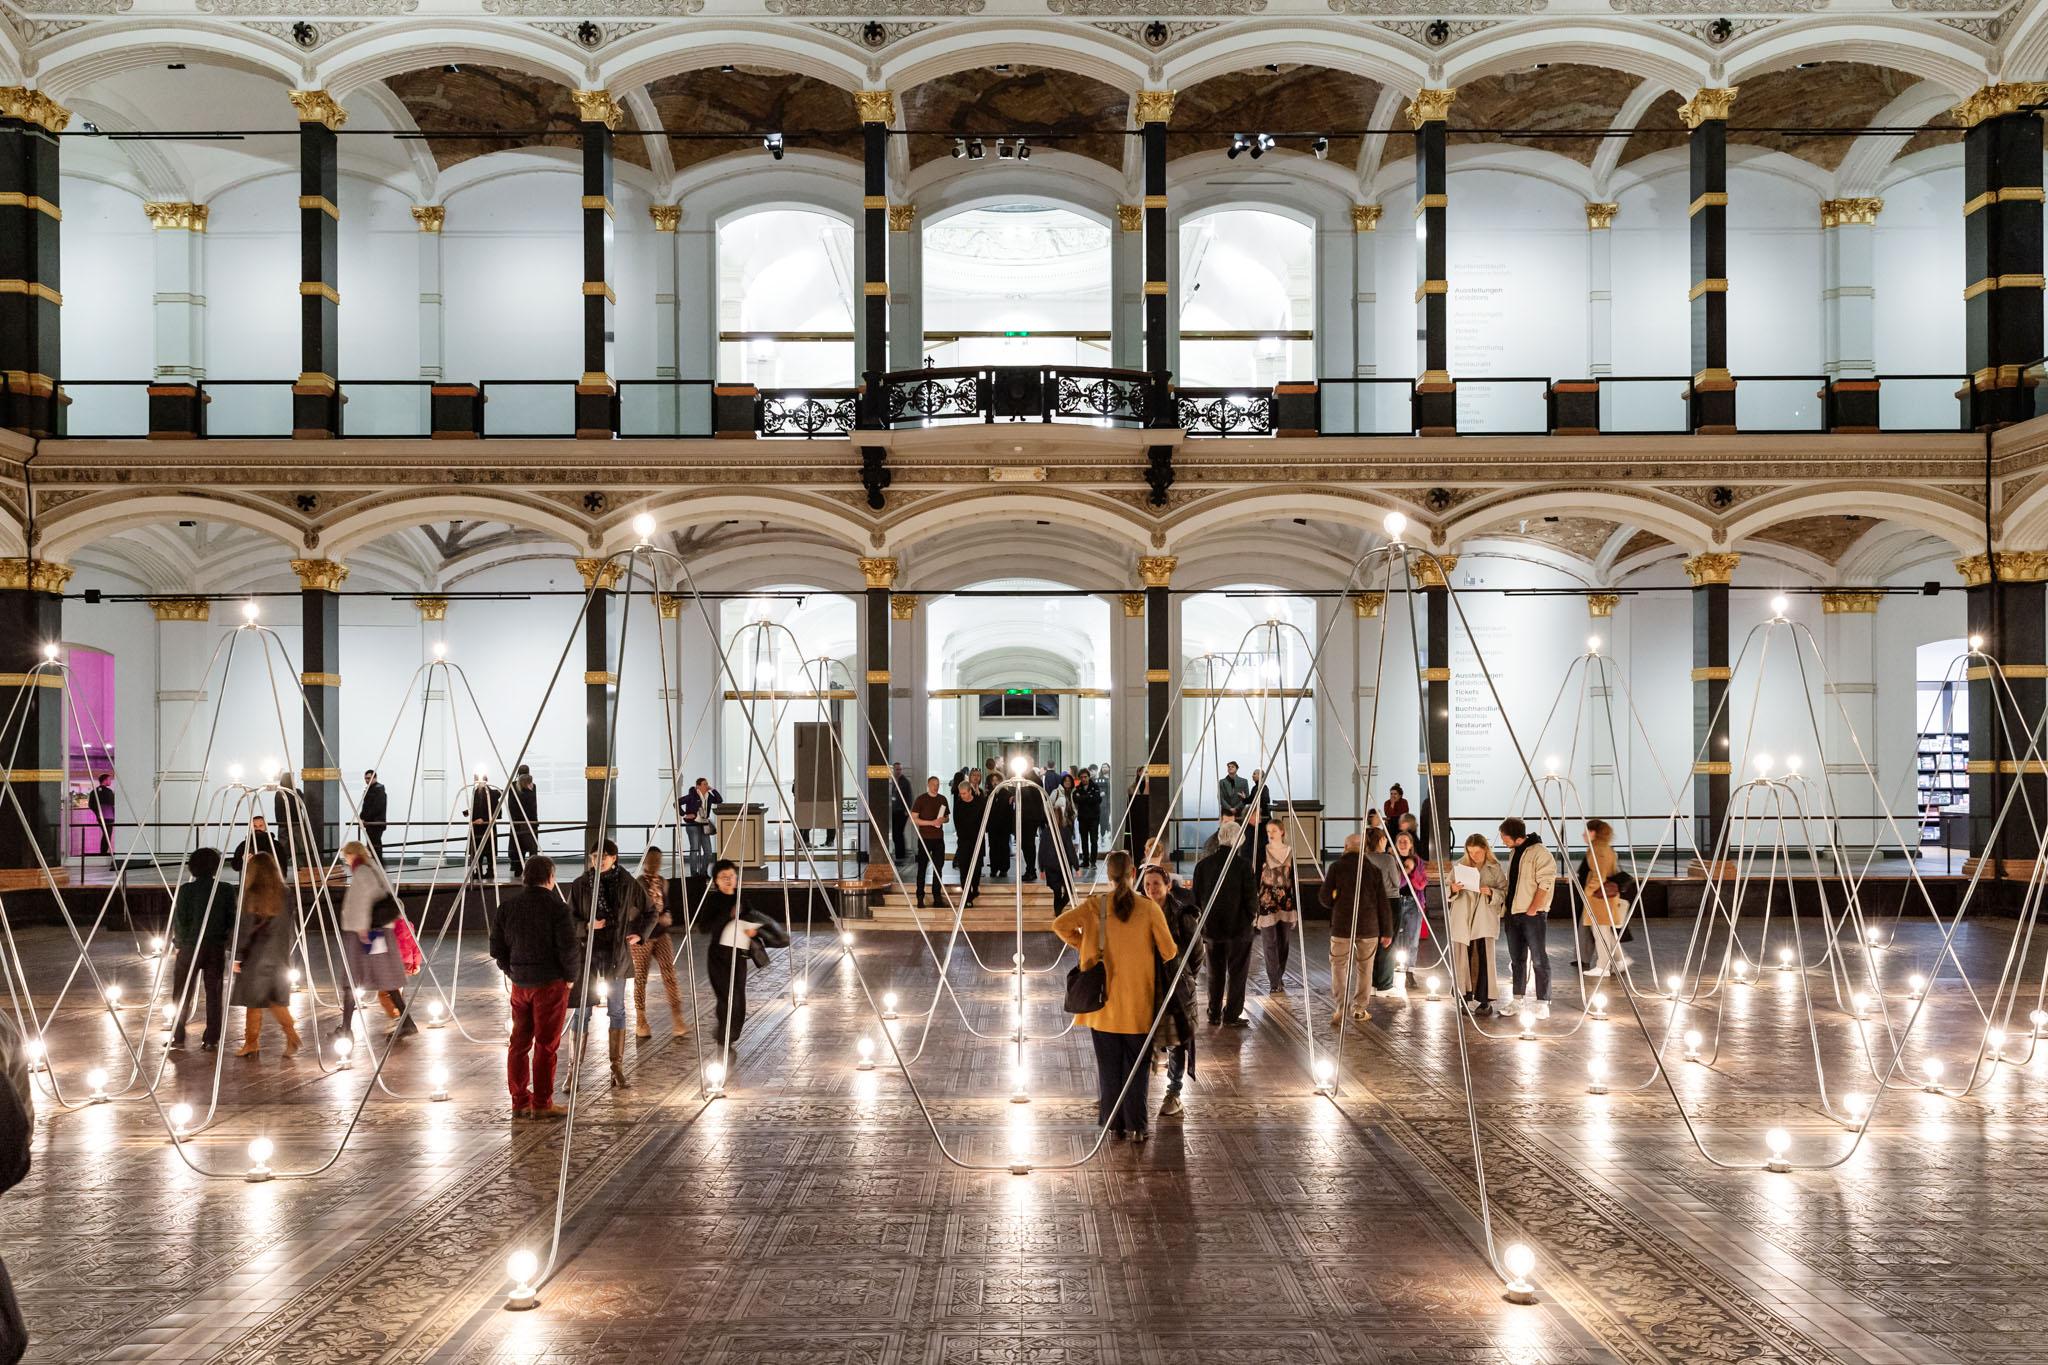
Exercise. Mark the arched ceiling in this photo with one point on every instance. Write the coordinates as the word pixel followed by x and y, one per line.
pixel 1014 99
pixel 816 115
pixel 1814 95
pixel 1657 130
pixel 1280 97
pixel 488 99
pixel 1549 97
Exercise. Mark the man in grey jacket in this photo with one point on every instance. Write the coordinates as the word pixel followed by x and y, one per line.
pixel 1532 875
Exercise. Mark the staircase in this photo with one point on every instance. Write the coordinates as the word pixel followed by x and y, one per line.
pixel 995 910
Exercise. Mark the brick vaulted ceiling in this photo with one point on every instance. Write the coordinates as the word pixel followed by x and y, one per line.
pixel 489 99
pixel 1018 99
pixel 1820 95
pixel 1287 97
pixel 1557 97
pixel 747 101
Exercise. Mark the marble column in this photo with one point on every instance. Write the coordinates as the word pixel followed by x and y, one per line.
pixel 597 394
pixel 1358 410
pixel 32 622
pixel 1436 393
pixel 600 698
pixel 1154 108
pixel 1432 575
pixel 316 397
pixel 696 254
pixel 1713 387
pixel 877 110
pixel 1161 758
pixel 910 708
pixel 665 412
pixel 320 583
pixel 431 218
pixel 1608 724
pixel 1711 575
pixel 179 303
pixel 31 326
pixel 879 575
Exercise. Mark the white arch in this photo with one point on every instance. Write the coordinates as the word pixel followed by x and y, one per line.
pixel 379 97
pixel 815 182
pixel 1928 50
pixel 79 524
pixel 1678 521
pixel 385 50
pixel 1631 46
pixel 927 518
pixel 1082 184
pixel 946 561
pixel 1628 116
pixel 73 62
pixel 668 50
pixel 1953 518
pixel 403 511
pixel 1334 44
pixel 675 508
pixel 1062 46
pixel 1317 192
pixel 1363 508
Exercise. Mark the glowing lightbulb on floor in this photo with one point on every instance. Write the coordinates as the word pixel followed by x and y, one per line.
pixel 1779 1142
pixel 1527 1019
pixel 1994 1042
pixel 1741 970
pixel 1915 985
pixel 1596 1076
pixel 604 992
pixel 1020 1083
pixel 1784 958
pixel 1932 1069
pixel 643 527
pixel 888 1004
pixel 181 1120
pixel 156 946
pixel 1396 524
pixel 1326 1076
pixel 250 612
pixel 1873 937
pixel 1673 984
pixel 438 1078
pixel 97 1080
pixel 866 1048
pixel 1597 1007
pixel 1856 1107
pixel 1693 1039
pixel 846 938
pixel 1435 984
pixel 1592 644
pixel 268 768
pixel 1400 957
pixel 799 994
pixel 260 1150
pixel 1860 1003
pixel 714 1078
pixel 434 1013
pixel 32 1048
pixel 344 1051
pixel 520 1267
pixel 2039 1019
pixel 291 978
pixel 1520 1263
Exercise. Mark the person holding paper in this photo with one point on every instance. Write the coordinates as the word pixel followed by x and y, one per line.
pixel 1478 895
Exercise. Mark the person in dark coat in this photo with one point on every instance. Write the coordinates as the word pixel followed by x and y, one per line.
pixel 1177 1030
pixel 372 814
pixel 608 902
pixel 285 822
pixel 263 952
pixel 523 806
pixel 260 841
pixel 1088 817
pixel 1001 802
pixel 1227 887
pixel 533 941
pixel 1361 923
pixel 101 804
pixel 1031 799
pixel 969 811
pixel 734 930
pixel 202 926
pixel 485 806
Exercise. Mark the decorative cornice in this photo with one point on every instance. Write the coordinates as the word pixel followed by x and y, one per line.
pixel 32 106
pixel 1156 571
pixel 1602 604
pixel 317 106
pixel 180 608
pixel 430 217
pixel 1433 571
pixel 320 575
pixel 879 571
pixel 1430 106
pixel 667 217
pixel 1850 603
pixel 902 606
pixel 1365 217
pixel 1133 604
pixel 901 216
pixel 1154 106
pixel 2014 566
pixel 874 106
pixel 168 216
pixel 1130 217
pixel 1714 567
pixel 1850 212
pixel 1998 100
pixel 1600 214
pixel 1367 606
pixel 597 106
pixel 432 608
pixel 1710 103
pixel 599 573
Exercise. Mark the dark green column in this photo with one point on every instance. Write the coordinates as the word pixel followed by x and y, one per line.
pixel 1711 575
pixel 877 109
pixel 320 583
pixel 30 279
pixel 1155 109
pixel 1436 394
pixel 2001 251
pixel 880 575
pixel 2008 621
pixel 316 397
pixel 600 696
pixel 1431 576
pixel 32 748
pixel 1713 388
pixel 1156 572
pixel 597 396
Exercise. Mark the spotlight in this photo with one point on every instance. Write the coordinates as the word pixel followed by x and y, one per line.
pixel 97 1079
pixel 1932 1069
pixel 344 1052
pixel 440 649
pixel 1596 1076
pixel 1693 1039
pixel 1239 144
pixel 1321 147
pixel 250 612
pixel 1780 1142
pixel 714 1079
pixel 1326 1076
pixel 50 652
pixel 434 1013
pixel 181 1122
pixel 438 1078
pixel 1519 1261
pixel 643 526
pixel 1395 524
pixel 888 1004
pixel 975 151
pixel 520 1267
pixel 1994 1043
pixel 1435 984
pixel 1857 1107
pixel 959 148
pixel 866 1048
pixel 1779 605
pixel 1261 144
pixel 1976 644
pixel 1528 1022
pixel 1592 644
pixel 260 1150
pixel 772 144
pixel 1003 149
pixel 1023 150
pixel 1596 1008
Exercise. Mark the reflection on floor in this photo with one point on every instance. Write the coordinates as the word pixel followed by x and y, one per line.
pixel 809 1217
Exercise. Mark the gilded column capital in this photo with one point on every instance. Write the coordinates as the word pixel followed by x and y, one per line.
pixel 430 217
pixel 1430 106
pixel 902 606
pixel 1713 102
pixel 320 575
pixel 1850 212
pixel 599 573
pixel 1154 106
pixel 1996 100
pixel 432 608
pixel 666 217
pixel 180 608
pixel 1130 217
pixel 879 571
pixel 875 106
pixel 168 216
pixel 1156 571
pixel 1433 571
pixel 32 106
pixel 1714 567
pixel 1600 214
pixel 902 217
pixel 2014 566
pixel 1367 606
pixel 669 604
pixel 317 106
pixel 598 106
pixel 38 575
pixel 1850 603
pixel 1133 604
pixel 1600 605
pixel 1365 217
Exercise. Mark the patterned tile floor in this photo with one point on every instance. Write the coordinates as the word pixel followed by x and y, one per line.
pixel 809 1217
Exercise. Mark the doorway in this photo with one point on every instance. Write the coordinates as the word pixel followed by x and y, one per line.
pixel 1042 753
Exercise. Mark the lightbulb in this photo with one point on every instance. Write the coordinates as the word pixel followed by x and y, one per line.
pixel 1780 604
pixel 846 938
pixel 437 1077
pixel 2039 1019
pixel 1596 1076
pixel 604 992
pixel 268 768
pixel 1019 766
pixel 156 946
pixel 521 1266
pixel 1741 970
pixel 1550 763
pixel 434 1012
pixel 1400 957
pixel 32 1048
pixel 260 1149
pixel 1673 984
pixel 292 978
pixel 1779 1142
pixel 1597 1006
pixel 1915 984
pixel 1693 1039
pixel 643 526
pixel 1792 763
pixel 1528 1023
pixel 50 652
pixel 1435 984
pixel 170 1015
pixel 1873 937
pixel 1520 1262
pixel 114 993
pixel 1995 1040
pixel 1326 1072
pixel 344 1048
pixel 181 1119
pixel 1932 1069
pixel 1396 524
pixel 1859 1002
pixel 97 1080
pixel 714 1077
pixel 866 1048
pixel 249 612
pixel 235 772
pixel 1855 1106
pixel 1592 644
pixel 800 994
pixel 1976 644
pixel 440 649
pixel 1763 765
pixel 1784 958
pixel 888 1004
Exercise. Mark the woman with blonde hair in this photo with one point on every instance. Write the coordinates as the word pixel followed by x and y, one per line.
pixel 1128 935
pixel 650 947
pixel 1478 895
pixel 263 951
pixel 1606 911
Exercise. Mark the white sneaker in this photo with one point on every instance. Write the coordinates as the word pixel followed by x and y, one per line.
pixel 1596 971
pixel 1171 1107
pixel 1543 1009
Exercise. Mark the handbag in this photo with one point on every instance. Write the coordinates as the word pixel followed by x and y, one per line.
pixel 757 952
pixel 384 911
pixel 1088 987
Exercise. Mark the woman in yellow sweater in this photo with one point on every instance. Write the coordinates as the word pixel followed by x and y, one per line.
pixel 1135 933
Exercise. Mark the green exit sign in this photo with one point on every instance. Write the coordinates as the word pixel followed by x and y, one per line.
pixel 1016 691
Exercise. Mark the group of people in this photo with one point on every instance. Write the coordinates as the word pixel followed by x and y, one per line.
pixel 516 809
pixel 1051 820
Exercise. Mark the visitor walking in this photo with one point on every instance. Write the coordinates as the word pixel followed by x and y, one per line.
pixel 1414 896
pixel 969 808
pixel 202 926
pixel 1532 877
pixel 533 941
pixel 1379 854
pixel 370 912
pixel 1478 895
pixel 1088 817
pixel 523 808
pixel 1278 913
pixel 1227 889
pixel 608 902
pixel 1176 1036
pixel 652 948
pixel 1000 827
pixel 928 816
pixel 1128 935
pixel 101 805
pixel 1361 924
pixel 740 940
pixel 262 953
pixel 1606 909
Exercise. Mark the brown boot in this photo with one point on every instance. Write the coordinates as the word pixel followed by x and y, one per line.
pixel 291 1032
pixel 618 1054
pixel 252 1033
pixel 551 1111
pixel 391 1009
pixel 640 1029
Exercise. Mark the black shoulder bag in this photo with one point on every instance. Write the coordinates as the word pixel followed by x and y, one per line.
pixel 1088 987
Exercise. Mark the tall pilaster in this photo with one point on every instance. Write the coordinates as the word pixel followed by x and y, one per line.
pixel 1848 311
pixel 1360 408
pixel 879 574
pixel 1711 575
pixel 1432 576
pixel 2008 623
pixel 1154 109
pixel 32 748
pixel 597 395
pixel 906 288
pixel 316 397
pixel 696 253
pixel 30 277
pixel 1156 573
pixel 1713 388
pixel 910 704
pixel 1600 215
pixel 1604 634
pixel 320 583
pixel 1849 718
pixel 667 406
pixel 600 697
pixel 1436 394
pixel 431 218
pixel 1127 288
pixel 2002 259
pixel 877 110
pixel 179 303
pixel 184 649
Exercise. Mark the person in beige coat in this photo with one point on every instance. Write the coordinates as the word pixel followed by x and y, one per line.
pixel 1475 924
